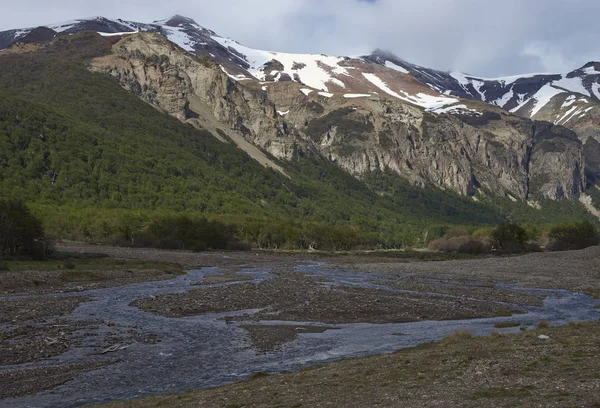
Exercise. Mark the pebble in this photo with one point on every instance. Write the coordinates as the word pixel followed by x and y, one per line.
pixel 543 337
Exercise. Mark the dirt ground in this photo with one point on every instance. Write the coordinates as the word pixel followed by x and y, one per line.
pixel 26 381
pixel 268 338
pixel 290 297
pixel 577 271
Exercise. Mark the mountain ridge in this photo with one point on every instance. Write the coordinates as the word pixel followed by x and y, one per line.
pixel 365 114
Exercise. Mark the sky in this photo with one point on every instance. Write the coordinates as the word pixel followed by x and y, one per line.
pixel 482 37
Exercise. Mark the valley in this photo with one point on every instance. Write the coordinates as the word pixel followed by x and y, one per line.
pixel 233 314
pixel 189 221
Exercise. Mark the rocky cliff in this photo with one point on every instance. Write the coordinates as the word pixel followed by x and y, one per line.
pixel 195 90
pixel 475 146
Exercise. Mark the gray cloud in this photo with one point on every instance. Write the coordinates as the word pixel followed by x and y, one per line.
pixel 488 38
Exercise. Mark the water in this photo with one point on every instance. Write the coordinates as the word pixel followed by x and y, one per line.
pixel 203 351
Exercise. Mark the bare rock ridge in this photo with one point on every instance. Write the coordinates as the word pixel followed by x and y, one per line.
pixel 376 112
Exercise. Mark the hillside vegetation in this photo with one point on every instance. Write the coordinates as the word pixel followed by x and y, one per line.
pixel 95 162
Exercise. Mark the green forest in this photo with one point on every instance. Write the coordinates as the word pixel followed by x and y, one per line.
pixel 96 163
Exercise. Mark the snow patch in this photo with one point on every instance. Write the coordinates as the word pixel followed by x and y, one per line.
pixel 507 80
pixel 590 71
pixel 375 80
pixel 63 26
pixel 478 85
pixel 238 77
pixel 461 78
pixel 313 70
pixel 115 34
pixel 596 90
pixel 338 82
pixel 569 101
pixel 283 113
pixel 505 98
pixel 456 110
pixel 356 96
pixel 179 37
pixel 395 67
pixel 569 112
pixel 326 94
pixel 429 102
pixel 541 99
pixel 572 84
pixel 306 91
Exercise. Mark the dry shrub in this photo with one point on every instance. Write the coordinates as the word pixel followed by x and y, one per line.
pixel 456 232
pixel 462 244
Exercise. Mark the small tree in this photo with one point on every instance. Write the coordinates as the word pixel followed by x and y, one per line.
pixel 20 231
pixel 578 235
pixel 509 238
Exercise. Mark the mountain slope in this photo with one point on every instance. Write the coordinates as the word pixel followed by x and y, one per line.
pixel 396 124
pixel 75 138
pixel 465 151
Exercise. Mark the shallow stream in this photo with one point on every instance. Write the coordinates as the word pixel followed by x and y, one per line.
pixel 203 351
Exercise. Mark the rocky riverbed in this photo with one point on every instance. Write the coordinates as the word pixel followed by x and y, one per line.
pixel 234 314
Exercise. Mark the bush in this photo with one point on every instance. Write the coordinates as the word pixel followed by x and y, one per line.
pixel 533 247
pixel 21 232
pixel 483 233
pixel 184 232
pixel 456 232
pixel 463 244
pixel 573 236
pixel 509 238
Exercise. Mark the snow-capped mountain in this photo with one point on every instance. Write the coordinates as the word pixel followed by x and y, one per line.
pixel 380 73
pixel 368 113
pixel 326 75
pixel 529 95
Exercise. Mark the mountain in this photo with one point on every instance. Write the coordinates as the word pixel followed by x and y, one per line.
pixel 570 100
pixel 314 120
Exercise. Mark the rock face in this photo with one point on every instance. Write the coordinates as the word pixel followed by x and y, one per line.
pixel 489 149
pixel 557 167
pixel 195 90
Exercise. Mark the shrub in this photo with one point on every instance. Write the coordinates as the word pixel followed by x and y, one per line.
pixel 456 232
pixel 509 238
pixel 533 247
pixel 21 232
pixel 184 232
pixel 463 244
pixel 573 236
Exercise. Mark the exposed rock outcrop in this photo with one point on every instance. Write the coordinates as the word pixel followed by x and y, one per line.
pixel 195 90
pixel 489 149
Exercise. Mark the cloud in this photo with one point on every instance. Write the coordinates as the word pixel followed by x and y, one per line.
pixel 488 38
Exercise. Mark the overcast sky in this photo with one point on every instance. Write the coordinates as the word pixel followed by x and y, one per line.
pixel 481 37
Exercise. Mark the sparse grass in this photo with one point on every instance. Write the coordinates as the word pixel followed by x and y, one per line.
pixel 257 375
pixel 597 307
pixel 543 324
pixel 460 335
pixel 503 392
pixel 503 313
pixel 398 255
pixel 595 293
pixel 505 325
pixel 87 263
